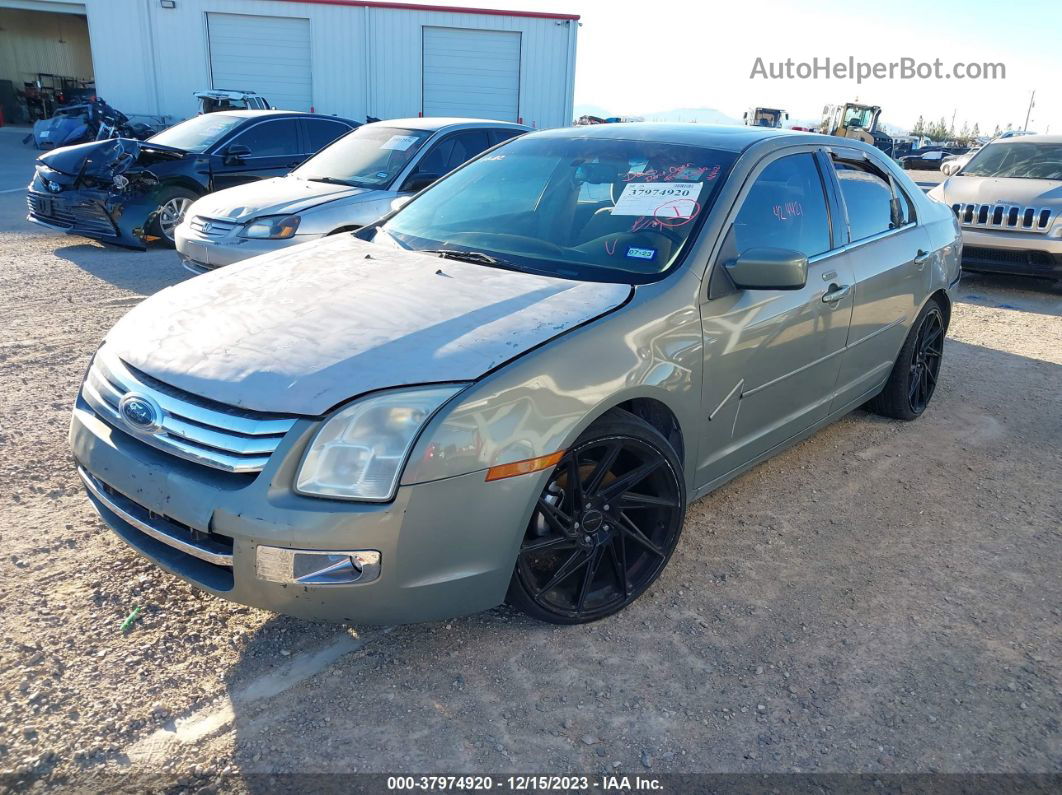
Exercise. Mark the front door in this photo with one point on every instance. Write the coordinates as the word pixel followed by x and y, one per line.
pixel 271 148
pixel 771 357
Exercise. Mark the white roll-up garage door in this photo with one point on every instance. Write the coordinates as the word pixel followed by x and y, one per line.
pixel 472 73
pixel 270 55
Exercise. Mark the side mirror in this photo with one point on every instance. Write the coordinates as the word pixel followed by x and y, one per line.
pixel 235 154
pixel 769 269
pixel 419 181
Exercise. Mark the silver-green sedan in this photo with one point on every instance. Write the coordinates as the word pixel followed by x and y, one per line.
pixel 512 387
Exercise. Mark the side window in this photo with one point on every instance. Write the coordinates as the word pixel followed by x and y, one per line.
pixel 452 151
pixel 906 206
pixel 271 138
pixel 503 134
pixel 785 208
pixel 321 133
pixel 434 162
pixel 868 197
pixel 467 145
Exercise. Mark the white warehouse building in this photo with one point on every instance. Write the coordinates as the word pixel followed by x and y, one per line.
pixel 351 58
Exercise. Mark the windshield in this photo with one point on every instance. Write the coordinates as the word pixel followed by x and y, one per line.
pixel 199 133
pixel 765 117
pixel 1016 158
pixel 858 117
pixel 370 157
pixel 585 208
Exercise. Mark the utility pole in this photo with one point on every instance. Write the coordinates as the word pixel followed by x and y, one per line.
pixel 1032 104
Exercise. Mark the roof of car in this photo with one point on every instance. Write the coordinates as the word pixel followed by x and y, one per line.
pixel 717 136
pixel 1032 139
pixel 251 114
pixel 439 122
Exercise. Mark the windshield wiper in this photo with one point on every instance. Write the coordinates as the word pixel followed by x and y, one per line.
pixel 475 257
pixel 334 181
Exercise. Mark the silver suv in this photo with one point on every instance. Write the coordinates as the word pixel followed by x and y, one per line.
pixel 1008 199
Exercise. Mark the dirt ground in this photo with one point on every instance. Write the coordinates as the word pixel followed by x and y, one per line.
pixel 883 597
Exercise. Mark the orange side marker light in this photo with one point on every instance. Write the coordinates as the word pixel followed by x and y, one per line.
pixel 524 467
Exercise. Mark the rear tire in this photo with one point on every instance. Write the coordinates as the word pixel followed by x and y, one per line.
pixel 914 376
pixel 604 526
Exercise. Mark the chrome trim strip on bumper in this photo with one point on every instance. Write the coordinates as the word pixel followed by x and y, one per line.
pixel 124 508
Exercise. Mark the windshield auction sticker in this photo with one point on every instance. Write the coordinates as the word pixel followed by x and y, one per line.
pixel 399 142
pixel 645 198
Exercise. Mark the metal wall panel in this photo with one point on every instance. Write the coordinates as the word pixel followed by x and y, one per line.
pixel 270 55
pixel 365 60
pixel 471 73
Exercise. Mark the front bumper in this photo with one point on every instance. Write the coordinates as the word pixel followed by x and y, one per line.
pixel 201 254
pixel 94 214
pixel 1021 253
pixel 437 558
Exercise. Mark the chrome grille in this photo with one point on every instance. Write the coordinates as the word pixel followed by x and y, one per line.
pixel 208 433
pixel 1004 216
pixel 212 227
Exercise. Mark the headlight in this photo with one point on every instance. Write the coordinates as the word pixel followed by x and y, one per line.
pixel 271 227
pixel 359 452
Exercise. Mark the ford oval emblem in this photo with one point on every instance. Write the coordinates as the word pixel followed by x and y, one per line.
pixel 140 413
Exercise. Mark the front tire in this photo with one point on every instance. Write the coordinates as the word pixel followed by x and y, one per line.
pixel 605 525
pixel 914 376
pixel 173 203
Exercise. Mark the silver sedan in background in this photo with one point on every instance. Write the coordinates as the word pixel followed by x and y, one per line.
pixel 345 186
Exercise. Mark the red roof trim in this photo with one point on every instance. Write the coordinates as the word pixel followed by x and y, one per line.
pixel 497 12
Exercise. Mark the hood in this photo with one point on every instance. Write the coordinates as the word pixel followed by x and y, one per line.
pixel 276 196
pixel 303 329
pixel 962 189
pixel 98 159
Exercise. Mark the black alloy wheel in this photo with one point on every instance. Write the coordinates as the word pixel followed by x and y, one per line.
pixel 605 525
pixel 914 376
pixel 925 364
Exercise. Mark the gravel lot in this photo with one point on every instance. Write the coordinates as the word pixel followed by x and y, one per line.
pixel 883 597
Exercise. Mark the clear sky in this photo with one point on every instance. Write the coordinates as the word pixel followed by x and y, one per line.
pixel 643 57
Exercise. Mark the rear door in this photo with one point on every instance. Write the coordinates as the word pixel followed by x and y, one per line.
pixel 888 252
pixel 772 356
pixel 274 148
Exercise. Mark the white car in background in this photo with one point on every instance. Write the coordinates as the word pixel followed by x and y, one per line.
pixel 350 183
pixel 951 165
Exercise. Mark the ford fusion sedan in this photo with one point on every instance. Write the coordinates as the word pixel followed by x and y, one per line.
pixel 346 186
pixel 512 387
pixel 1008 199
pixel 130 193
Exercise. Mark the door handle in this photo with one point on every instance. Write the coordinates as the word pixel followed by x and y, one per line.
pixel 835 293
pixel 921 258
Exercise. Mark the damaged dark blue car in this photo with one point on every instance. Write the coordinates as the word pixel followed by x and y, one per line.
pixel 130 193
